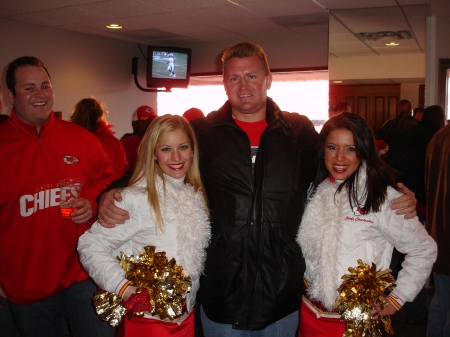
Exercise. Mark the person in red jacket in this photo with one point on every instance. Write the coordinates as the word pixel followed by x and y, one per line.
pixel 40 272
pixel 144 116
pixel 90 113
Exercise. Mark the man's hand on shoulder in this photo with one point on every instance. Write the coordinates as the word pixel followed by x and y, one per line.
pixel 109 214
pixel 406 204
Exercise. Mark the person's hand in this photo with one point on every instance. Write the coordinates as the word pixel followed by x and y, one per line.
pixel 388 310
pixel 84 210
pixel 109 214
pixel 406 204
pixel 128 292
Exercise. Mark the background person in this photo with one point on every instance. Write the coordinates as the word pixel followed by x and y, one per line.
pixel 168 210
pixel 404 122
pixel 40 273
pixel 6 322
pixel 417 113
pixel 347 218
pixel 91 113
pixel 437 184
pixel 192 114
pixel 144 116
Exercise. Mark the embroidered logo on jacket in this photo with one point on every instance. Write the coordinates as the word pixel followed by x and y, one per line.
pixel 69 160
pixel 358 211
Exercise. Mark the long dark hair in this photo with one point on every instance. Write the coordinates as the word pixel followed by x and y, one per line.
pixel 379 175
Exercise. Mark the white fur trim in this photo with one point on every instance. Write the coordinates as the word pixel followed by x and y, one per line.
pixel 192 223
pixel 318 236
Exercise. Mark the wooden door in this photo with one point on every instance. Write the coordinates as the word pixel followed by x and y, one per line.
pixel 375 103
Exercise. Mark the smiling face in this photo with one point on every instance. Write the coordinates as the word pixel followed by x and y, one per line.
pixel 174 154
pixel 340 154
pixel 34 97
pixel 246 85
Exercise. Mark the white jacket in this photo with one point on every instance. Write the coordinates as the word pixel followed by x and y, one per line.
pixel 186 234
pixel 333 237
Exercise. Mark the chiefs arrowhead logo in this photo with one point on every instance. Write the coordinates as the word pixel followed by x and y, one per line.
pixel 358 211
pixel 70 160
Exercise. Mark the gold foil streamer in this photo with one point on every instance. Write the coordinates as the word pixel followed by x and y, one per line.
pixel 163 279
pixel 359 293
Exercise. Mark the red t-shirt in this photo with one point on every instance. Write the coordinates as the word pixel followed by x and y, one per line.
pixel 253 130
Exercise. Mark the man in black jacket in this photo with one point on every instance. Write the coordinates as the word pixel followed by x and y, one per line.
pixel 257 163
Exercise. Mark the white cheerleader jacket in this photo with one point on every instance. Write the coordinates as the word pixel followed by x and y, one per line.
pixel 333 236
pixel 185 236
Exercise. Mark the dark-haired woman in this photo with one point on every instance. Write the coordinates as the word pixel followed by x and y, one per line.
pixel 348 217
pixel 90 113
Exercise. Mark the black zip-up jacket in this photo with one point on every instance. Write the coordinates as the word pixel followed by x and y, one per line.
pixel 254 267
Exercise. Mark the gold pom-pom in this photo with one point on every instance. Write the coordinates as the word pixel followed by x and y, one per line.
pixel 360 292
pixel 163 279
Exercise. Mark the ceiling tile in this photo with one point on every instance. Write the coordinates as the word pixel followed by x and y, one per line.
pixel 281 8
pixel 248 25
pixel 182 5
pixel 303 20
pixel 221 14
pixel 123 8
pixel 15 7
pixel 60 16
pixel 164 20
pixel 347 4
pixel 373 19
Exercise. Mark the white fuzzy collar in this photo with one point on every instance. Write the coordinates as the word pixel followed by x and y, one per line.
pixel 193 231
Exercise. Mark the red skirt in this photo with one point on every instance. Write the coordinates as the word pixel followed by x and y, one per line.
pixel 145 327
pixel 327 325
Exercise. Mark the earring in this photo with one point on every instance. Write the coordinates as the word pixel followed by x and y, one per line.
pixel 192 154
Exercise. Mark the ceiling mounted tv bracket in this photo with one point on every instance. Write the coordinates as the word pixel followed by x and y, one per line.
pixel 134 68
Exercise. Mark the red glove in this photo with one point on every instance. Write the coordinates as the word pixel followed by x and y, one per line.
pixel 138 302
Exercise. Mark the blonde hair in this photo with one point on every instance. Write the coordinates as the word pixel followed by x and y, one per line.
pixel 88 113
pixel 147 167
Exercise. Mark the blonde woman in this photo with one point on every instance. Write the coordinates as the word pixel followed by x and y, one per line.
pixel 168 210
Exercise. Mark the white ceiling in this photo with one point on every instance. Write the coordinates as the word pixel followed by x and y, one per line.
pixel 181 22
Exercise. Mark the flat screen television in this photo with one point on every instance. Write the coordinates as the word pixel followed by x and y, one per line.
pixel 168 67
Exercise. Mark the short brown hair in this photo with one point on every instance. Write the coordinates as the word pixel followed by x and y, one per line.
pixel 245 49
pixel 21 62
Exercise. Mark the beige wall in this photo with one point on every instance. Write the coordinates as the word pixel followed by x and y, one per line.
pixel 399 66
pixel 410 91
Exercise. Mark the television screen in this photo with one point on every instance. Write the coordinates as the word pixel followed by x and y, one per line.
pixel 168 67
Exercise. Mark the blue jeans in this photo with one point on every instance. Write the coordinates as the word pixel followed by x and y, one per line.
pixel 285 327
pixel 439 312
pixel 43 319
